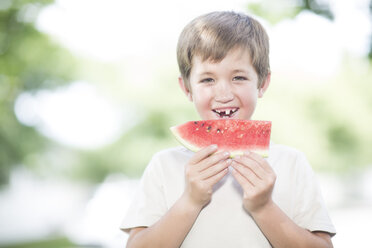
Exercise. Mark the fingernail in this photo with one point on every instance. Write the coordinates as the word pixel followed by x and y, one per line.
pixel 226 154
pixel 214 146
pixel 229 161
pixel 247 152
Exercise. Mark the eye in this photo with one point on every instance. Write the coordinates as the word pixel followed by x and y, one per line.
pixel 239 78
pixel 207 80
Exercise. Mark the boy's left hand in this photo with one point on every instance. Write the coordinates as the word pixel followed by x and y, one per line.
pixel 257 179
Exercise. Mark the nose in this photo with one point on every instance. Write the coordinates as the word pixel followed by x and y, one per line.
pixel 223 92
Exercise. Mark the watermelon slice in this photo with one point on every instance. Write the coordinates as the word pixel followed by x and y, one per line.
pixel 235 136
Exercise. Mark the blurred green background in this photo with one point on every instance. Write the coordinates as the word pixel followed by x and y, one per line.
pixel 326 116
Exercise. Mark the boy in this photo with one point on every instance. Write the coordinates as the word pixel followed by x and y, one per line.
pixel 206 199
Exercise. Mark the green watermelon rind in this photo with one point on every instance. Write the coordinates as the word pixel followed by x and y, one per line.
pixel 183 141
pixel 191 147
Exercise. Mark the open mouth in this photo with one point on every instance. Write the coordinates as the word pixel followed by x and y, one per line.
pixel 225 113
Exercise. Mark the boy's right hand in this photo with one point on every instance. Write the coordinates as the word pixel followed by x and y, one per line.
pixel 203 171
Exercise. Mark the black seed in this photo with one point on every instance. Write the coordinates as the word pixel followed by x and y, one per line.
pixel 195 122
pixel 218 130
pixel 209 127
pixel 202 125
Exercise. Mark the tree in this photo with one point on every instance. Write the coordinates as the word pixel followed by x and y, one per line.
pixel 29 60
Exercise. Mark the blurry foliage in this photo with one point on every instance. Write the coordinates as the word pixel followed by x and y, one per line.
pixel 319 8
pixel 29 61
pixel 331 116
pixel 164 105
pixel 327 118
pixel 60 242
pixel 275 11
pixel 370 43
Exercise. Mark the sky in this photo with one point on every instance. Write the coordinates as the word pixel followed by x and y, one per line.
pixel 115 30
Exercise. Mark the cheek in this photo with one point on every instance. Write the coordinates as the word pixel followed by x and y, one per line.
pixel 250 103
pixel 249 98
pixel 248 92
pixel 201 95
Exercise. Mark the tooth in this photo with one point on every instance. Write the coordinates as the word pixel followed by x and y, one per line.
pixel 229 112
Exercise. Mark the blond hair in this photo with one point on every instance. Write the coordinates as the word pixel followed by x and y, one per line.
pixel 213 35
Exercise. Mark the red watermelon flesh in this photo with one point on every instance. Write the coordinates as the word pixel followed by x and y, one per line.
pixel 235 136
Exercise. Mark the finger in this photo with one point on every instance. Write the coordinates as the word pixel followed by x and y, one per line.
pixel 217 177
pixel 215 169
pixel 247 173
pixel 251 164
pixel 244 183
pixel 263 162
pixel 203 153
pixel 212 160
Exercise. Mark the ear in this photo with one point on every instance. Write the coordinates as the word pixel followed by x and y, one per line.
pixel 264 86
pixel 184 88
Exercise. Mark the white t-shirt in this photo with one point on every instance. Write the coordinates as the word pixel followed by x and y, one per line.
pixel 224 222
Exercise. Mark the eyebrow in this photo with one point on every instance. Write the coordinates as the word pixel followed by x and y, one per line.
pixel 240 70
pixel 234 71
pixel 206 73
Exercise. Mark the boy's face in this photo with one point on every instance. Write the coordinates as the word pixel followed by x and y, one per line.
pixel 227 89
